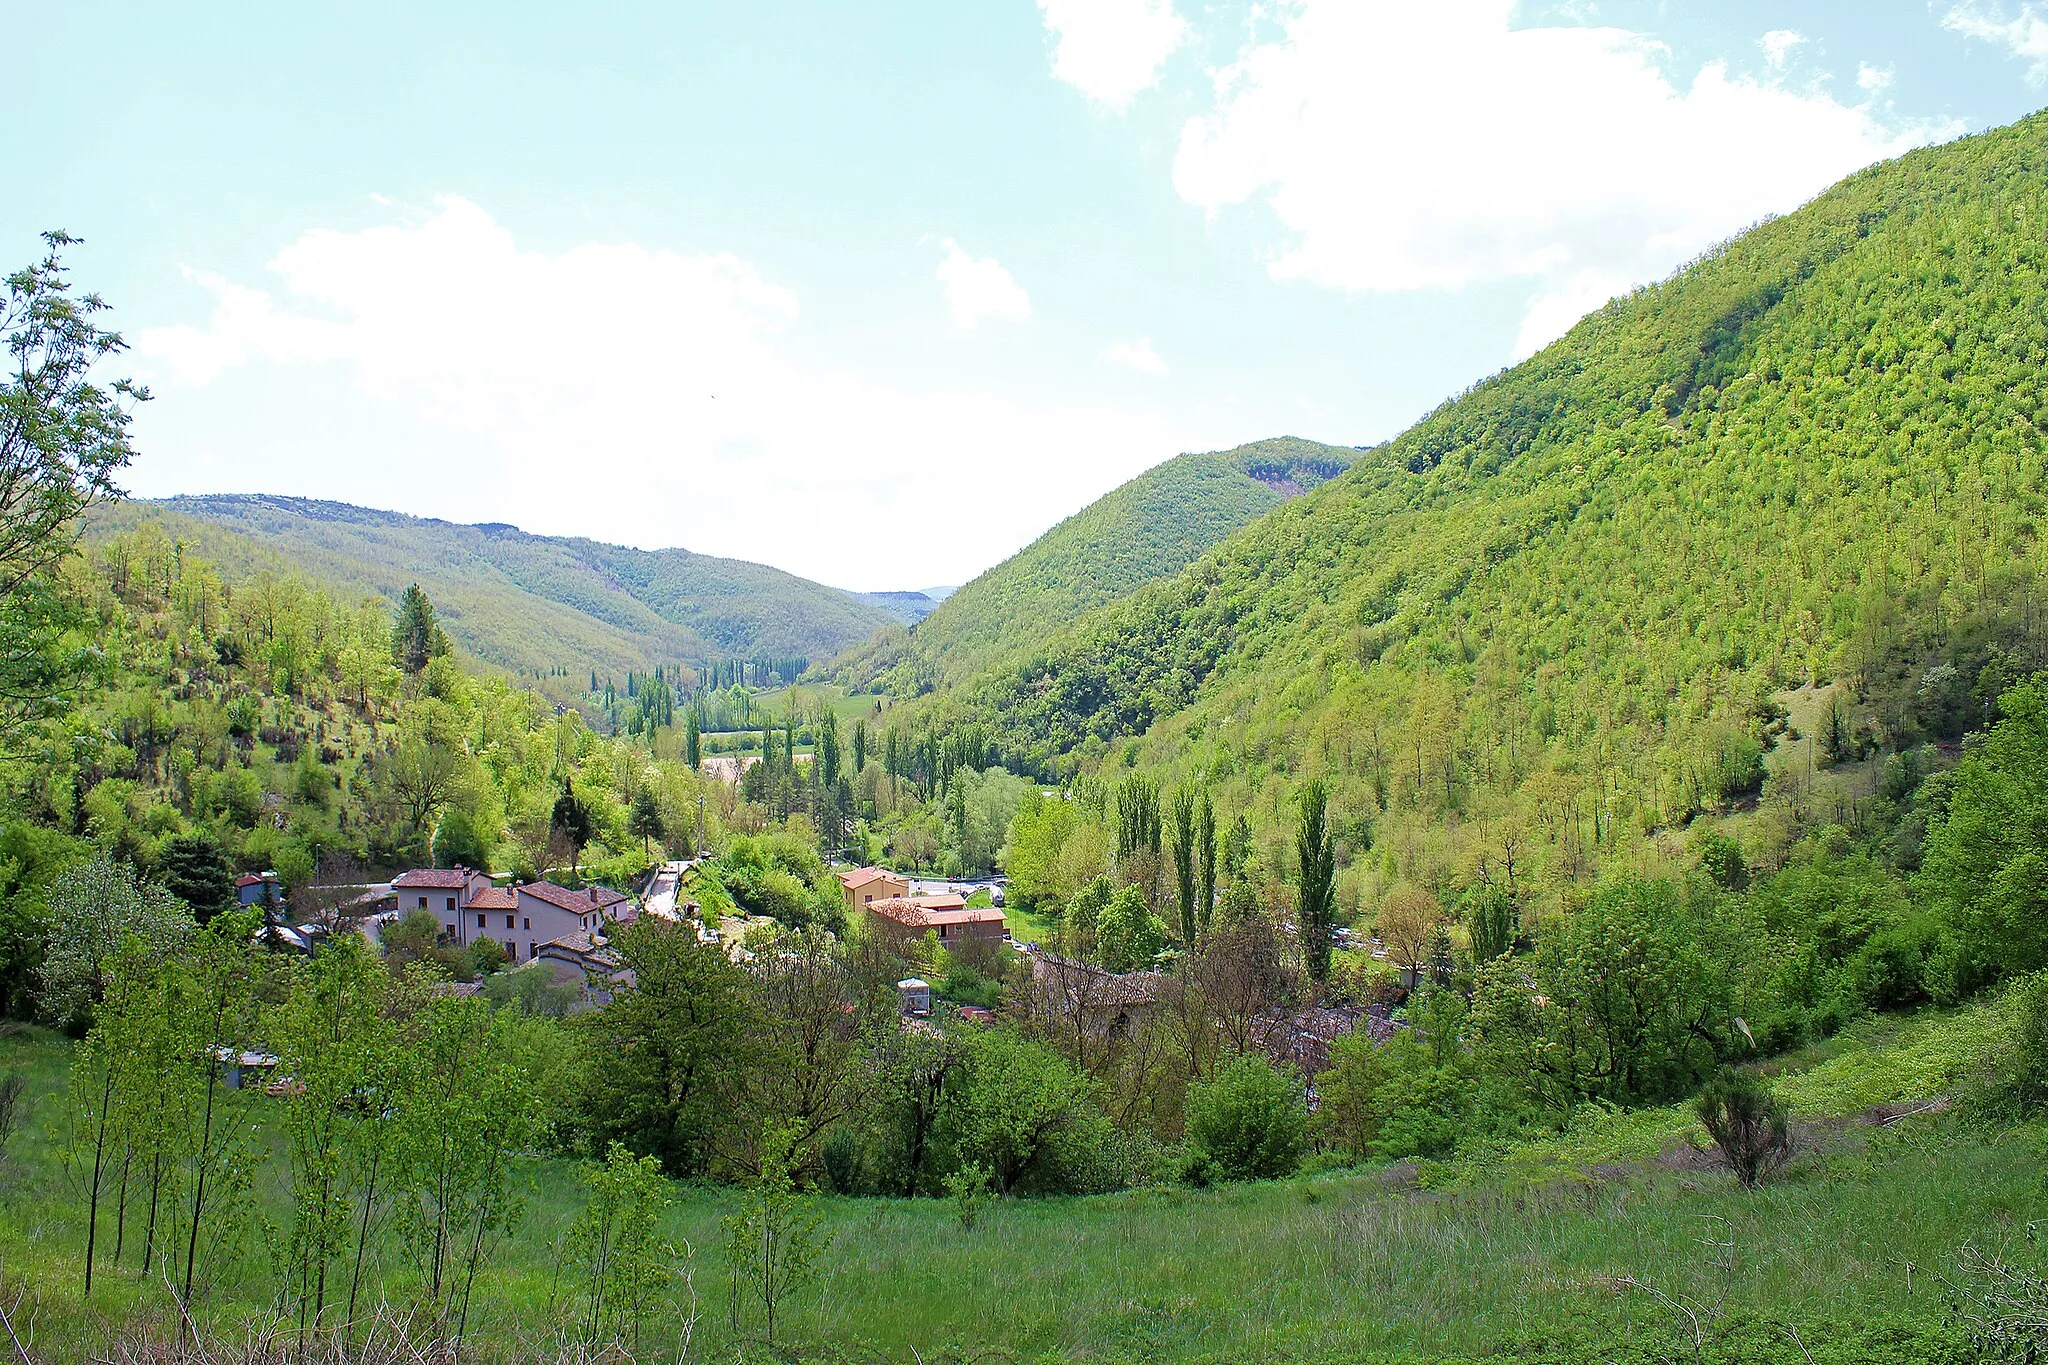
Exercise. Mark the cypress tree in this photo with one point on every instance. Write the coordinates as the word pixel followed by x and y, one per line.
pixel 1316 853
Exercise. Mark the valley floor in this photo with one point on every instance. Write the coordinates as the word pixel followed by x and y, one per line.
pixel 1608 1240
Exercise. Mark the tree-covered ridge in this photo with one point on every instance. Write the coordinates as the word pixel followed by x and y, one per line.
pixel 525 602
pixel 1144 530
pixel 1813 455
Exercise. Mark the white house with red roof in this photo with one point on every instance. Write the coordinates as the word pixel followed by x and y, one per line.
pixel 443 892
pixel 520 919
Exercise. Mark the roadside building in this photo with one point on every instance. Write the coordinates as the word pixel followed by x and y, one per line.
pixel 903 918
pixel 519 919
pixel 865 885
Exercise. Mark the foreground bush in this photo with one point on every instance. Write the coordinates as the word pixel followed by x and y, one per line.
pixel 1248 1122
pixel 1747 1122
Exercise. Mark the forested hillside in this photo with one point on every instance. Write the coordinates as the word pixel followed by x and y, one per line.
pixel 1144 530
pixel 532 604
pixel 1555 614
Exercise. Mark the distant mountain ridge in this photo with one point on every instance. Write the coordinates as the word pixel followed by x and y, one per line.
pixel 1149 528
pixel 522 601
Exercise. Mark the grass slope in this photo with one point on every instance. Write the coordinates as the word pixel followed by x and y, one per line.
pixel 1498 1252
pixel 524 601
pixel 1815 453
pixel 1146 529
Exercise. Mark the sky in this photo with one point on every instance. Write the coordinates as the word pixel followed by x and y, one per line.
pixel 876 293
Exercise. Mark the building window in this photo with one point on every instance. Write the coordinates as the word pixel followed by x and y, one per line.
pixel 529 922
pixel 479 921
pixel 423 902
pixel 451 905
pixel 508 921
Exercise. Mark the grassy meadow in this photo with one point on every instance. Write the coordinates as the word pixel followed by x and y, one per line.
pixel 1496 1251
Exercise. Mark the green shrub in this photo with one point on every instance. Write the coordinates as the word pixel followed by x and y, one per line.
pixel 2013 1084
pixel 1249 1121
pixel 1747 1121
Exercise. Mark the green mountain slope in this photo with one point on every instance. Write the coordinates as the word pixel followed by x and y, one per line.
pixel 524 602
pixel 1816 454
pixel 1146 529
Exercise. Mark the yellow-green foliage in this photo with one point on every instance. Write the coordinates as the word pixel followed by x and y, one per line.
pixel 1551 616
pixel 533 604
pixel 1144 530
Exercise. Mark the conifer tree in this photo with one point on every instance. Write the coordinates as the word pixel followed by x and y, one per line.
pixel 1317 860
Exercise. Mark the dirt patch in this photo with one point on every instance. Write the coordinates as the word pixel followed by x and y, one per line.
pixel 1688 1157
pixel 1885 1115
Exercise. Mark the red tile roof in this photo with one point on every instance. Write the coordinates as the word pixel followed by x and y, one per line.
pixel 433 878
pixel 248 879
pixel 575 902
pixel 920 912
pixel 861 876
pixel 494 898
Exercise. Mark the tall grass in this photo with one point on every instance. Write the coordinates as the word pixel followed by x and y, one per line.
pixel 1351 1266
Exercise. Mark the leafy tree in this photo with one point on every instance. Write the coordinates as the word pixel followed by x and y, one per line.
pixel 1316 859
pixel 1084 916
pixel 1015 1107
pixel 469 1103
pixel 772 1243
pixel 676 1041
pixel 214 1006
pixel 1404 1098
pixel 828 748
pixel 1127 934
pixel 693 740
pixel 195 869
pixel 94 906
pixel 1493 919
pixel 63 439
pixel 1031 857
pixel 460 842
pixel 1628 1000
pixel 1205 841
pixel 1137 816
pixel 1984 867
pixel 421 773
pixel 615 1248
pixel 335 1043
pixel 1249 1121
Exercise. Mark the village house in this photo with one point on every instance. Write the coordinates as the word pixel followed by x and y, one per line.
pixel 520 919
pixel 1092 1001
pixel 258 888
pixel 903 918
pixel 584 960
pixel 865 885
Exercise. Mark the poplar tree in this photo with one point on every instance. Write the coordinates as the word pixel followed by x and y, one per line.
pixel 1205 839
pixel 1316 858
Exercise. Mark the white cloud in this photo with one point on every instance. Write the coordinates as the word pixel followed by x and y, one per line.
pixel 1137 355
pixel 1873 80
pixel 1437 146
pixel 635 395
pixel 979 288
pixel 1111 50
pixel 2024 32
pixel 1778 45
